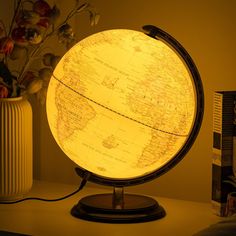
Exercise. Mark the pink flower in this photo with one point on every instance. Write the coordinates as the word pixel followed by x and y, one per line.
pixel 3 91
pixel 42 8
pixel 6 45
pixel 19 35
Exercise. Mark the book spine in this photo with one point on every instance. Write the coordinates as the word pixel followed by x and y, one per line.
pixel 222 161
pixel 234 138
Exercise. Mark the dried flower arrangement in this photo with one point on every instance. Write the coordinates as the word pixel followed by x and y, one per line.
pixel 33 23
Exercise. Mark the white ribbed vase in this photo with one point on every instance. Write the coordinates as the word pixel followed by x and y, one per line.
pixel 15 148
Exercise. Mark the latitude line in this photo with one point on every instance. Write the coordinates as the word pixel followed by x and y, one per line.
pixel 120 114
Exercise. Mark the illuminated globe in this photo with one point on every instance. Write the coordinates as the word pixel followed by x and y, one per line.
pixel 123 105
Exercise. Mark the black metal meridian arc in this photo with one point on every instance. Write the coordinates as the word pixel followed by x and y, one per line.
pixel 159 34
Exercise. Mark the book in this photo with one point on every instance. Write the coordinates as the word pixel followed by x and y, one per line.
pixel 223 148
pixel 234 138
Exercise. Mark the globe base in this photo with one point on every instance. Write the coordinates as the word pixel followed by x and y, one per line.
pixel 132 209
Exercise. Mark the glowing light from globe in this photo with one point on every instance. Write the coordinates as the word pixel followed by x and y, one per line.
pixel 121 104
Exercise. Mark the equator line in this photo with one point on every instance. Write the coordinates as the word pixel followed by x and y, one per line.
pixel 118 113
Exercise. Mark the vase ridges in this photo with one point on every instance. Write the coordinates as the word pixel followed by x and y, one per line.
pixel 16 148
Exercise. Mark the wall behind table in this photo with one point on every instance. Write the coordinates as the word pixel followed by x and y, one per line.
pixel 207 31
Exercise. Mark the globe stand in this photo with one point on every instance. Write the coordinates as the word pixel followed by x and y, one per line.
pixel 118 208
pixel 175 74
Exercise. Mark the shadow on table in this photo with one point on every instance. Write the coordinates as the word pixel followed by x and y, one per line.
pixel 6 233
pixel 225 227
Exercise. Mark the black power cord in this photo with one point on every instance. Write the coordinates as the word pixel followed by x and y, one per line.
pixel 82 184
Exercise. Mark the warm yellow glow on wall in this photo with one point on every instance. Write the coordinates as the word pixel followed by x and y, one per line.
pixel 121 104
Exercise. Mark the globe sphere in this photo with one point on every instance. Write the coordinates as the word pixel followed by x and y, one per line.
pixel 121 104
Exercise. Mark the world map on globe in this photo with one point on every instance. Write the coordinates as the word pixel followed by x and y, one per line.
pixel 121 104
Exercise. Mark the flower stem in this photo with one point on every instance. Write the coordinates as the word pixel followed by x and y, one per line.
pixel 14 17
pixel 11 26
pixel 3 27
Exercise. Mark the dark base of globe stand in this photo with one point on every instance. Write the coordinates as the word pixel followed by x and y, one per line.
pixel 121 208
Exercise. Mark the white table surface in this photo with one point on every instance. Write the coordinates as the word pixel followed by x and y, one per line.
pixel 183 218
